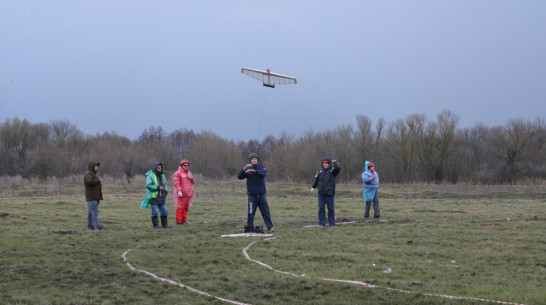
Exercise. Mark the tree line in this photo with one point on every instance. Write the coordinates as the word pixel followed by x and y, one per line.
pixel 408 150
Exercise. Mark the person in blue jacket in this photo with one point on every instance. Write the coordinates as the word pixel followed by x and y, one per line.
pixel 370 184
pixel 255 173
pixel 325 180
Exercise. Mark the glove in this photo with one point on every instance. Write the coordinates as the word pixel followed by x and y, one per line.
pixel 312 189
pixel 179 193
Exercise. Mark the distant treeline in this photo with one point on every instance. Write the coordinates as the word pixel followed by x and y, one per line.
pixel 414 149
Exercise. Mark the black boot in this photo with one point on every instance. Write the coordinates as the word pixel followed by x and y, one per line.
pixel 164 222
pixel 155 222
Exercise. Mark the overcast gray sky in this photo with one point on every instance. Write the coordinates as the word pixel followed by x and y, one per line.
pixel 123 66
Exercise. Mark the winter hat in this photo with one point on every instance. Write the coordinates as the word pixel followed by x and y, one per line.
pixel 326 160
pixel 184 162
pixel 253 155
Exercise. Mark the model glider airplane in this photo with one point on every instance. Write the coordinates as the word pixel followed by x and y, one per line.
pixel 269 79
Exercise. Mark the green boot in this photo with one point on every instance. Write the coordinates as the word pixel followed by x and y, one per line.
pixel 164 222
pixel 155 222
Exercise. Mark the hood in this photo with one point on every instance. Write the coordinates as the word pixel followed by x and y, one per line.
pixel 91 166
pixel 366 169
pixel 155 165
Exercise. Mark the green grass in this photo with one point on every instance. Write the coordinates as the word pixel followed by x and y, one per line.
pixel 469 242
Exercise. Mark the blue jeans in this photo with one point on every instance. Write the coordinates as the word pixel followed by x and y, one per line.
pixel 258 201
pixel 162 209
pixel 329 202
pixel 93 214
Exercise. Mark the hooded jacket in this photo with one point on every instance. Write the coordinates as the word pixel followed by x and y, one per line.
pixel 369 185
pixel 325 179
pixel 93 187
pixel 154 180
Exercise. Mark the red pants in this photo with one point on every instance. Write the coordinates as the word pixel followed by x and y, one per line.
pixel 182 215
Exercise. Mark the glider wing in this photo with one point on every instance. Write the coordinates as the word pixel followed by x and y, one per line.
pixel 269 79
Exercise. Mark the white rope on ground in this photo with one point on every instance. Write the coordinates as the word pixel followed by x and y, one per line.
pixel 337 223
pixel 351 282
pixel 247 235
pixel 262 264
pixel 363 284
pixel 176 283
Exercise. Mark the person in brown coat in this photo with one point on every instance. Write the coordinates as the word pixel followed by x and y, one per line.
pixel 93 195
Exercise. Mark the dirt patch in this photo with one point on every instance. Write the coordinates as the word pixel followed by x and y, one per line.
pixel 314 257
pixel 347 219
pixel 412 284
pixel 455 212
pixel 64 232
pixel 425 211
pixel 230 223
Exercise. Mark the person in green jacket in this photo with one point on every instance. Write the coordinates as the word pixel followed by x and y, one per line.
pixel 157 190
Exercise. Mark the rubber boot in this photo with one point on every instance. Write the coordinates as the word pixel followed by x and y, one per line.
pixel 155 222
pixel 164 222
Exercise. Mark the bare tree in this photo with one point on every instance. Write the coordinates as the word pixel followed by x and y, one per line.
pixel 438 145
pixel 267 146
pixel 379 129
pixel 43 132
pixel 285 158
pixel 250 146
pixel 516 140
pixel 399 148
pixel 342 151
pixel 131 160
pixel 403 138
pixel 62 131
pixel 537 149
pixel 363 137
pixel 511 144
pixel 474 160
pixel 17 135
pixel 213 156
pixel 152 135
pixel 180 141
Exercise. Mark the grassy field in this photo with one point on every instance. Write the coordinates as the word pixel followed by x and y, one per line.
pixel 467 241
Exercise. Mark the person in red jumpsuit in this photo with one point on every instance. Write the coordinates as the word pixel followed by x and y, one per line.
pixel 183 191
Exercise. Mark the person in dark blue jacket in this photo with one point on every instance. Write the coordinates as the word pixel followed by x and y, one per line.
pixel 325 180
pixel 255 173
